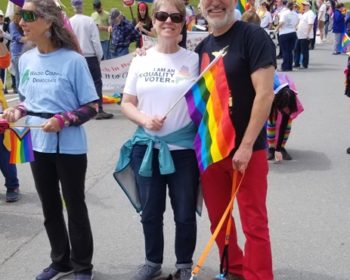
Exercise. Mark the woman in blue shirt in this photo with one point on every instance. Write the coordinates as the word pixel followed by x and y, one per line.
pixel 59 95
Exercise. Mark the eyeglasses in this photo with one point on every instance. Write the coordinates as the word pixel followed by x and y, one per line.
pixel 163 16
pixel 28 16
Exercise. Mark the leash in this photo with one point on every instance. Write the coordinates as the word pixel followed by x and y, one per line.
pixel 235 188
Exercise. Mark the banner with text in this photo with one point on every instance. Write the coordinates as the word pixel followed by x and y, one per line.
pixel 114 71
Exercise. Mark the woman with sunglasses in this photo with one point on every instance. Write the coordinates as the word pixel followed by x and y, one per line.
pixel 163 141
pixel 59 96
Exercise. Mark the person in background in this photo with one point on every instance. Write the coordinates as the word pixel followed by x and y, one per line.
pixel 304 34
pixel 8 170
pixel 123 34
pixel 146 100
pixel 16 46
pixel 251 60
pixel 190 15
pixel 143 21
pixel 322 11
pixel 59 97
pixel 338 28
pixel 201 22
pixel 280 6
pixel 4 37
pixel 100 18
pixel 87 35
pixel 285 108
pixel 265 16
pixel 288 22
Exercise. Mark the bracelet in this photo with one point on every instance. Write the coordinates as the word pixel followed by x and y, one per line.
pixel 60 120
pixel 22 109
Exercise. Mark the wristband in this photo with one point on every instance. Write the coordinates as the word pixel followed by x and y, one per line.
pixel 60 120
pixel 22 109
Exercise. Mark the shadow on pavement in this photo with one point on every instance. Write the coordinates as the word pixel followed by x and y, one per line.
pixel 291 274
pixel 303 161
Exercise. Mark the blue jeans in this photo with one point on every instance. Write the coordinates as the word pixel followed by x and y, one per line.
pixel 105 49
pixel 183 188
pixel 115 52
pixel 8 170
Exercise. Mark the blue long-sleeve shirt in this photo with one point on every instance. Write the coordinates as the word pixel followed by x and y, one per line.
pixel 338 22
pixel 16 45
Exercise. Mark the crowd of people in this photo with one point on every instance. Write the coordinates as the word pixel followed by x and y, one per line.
pixel 160 155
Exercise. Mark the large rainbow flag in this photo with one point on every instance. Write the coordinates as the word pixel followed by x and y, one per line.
pixel 20 145
pixel 208 105
pixel 345 44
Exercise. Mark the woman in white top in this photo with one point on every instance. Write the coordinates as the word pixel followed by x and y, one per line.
pixel 265 16
pixel 287 31
pixel 155 82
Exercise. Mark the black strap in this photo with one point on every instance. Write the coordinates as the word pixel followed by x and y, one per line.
pixel 41 115
pixel 224 259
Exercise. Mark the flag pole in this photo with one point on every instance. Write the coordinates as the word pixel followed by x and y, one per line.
pixel 27 126
pixel 220 54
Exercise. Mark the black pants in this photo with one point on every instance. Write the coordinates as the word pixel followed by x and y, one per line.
pixel 287 44
pixel 75 247
pixel 301 48
pixel 95 70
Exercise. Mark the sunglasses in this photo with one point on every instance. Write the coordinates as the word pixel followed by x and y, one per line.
pixel 163 16
pixel 28 16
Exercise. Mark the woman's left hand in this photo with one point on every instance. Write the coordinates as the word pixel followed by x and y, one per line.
pixel 52 125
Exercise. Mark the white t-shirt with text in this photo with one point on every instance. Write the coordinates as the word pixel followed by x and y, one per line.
pixel 158 80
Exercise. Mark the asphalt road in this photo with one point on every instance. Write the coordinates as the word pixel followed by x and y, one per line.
pixel 308 200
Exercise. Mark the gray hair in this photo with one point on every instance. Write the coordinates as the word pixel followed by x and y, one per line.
pixel 60 37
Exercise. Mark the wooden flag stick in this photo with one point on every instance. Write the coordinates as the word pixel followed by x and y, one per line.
pixel 28 126
pixel 218 55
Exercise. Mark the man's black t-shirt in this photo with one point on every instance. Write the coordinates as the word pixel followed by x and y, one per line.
pixel 249 48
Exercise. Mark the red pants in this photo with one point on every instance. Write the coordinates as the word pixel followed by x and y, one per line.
pixel 256 261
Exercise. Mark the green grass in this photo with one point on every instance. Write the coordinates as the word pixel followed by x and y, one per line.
pixel 88 9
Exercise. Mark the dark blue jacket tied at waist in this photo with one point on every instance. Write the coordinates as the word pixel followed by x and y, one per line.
pixel 124 174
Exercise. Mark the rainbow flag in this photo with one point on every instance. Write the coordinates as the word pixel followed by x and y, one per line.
pixel 208 105
pixel 345 44
pixel 21 145
pixel 241 5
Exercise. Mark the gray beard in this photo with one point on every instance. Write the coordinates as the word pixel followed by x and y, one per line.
pixel 218 24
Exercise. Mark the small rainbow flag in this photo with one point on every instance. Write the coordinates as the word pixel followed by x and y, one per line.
pixel 208 105
pixel 241 5
pixel 21 145
pixel 345 44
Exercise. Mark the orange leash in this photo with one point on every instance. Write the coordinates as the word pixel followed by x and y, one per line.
pixel 229 208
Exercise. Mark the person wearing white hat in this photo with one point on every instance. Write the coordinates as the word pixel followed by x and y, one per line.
pixel 304 34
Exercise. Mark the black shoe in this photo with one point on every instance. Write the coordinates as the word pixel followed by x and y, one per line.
pixel 348 150
pixel 103 115
pixel 231 276
pixel 271 154
pixel 285 154
pixel 12 195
